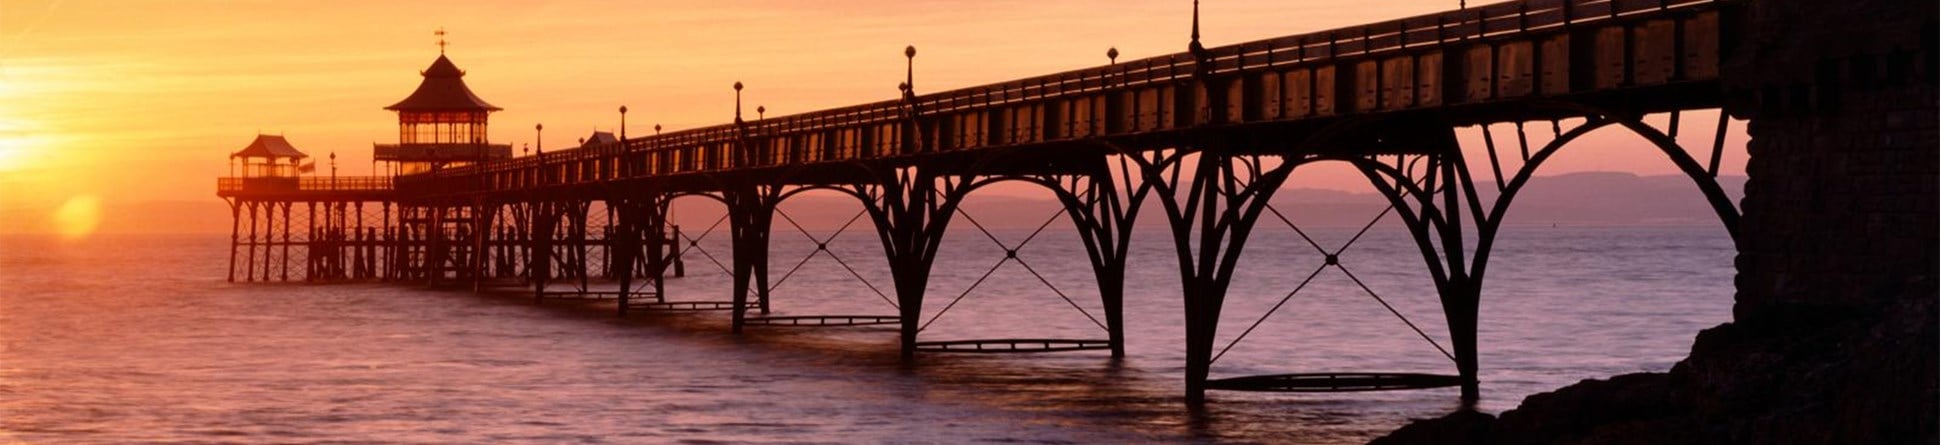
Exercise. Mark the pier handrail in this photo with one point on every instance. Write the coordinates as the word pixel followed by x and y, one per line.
pixel 303 184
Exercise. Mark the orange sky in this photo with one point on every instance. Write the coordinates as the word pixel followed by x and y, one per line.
pixel 127 102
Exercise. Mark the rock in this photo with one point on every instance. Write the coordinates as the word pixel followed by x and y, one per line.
pixel 1860 379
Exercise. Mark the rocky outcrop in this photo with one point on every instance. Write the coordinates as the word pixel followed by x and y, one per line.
pixel 1862 379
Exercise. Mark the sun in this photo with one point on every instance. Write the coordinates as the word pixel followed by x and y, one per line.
pixel 78 217
pixel 12 156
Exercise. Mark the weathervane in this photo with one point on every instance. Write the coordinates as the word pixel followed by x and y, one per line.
pixel 441 40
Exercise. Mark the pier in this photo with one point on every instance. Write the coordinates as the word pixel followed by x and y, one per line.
pixel 1207 136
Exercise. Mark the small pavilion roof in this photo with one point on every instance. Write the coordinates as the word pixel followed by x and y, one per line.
pixel 443 89
pixel 600 137
pixel 269 146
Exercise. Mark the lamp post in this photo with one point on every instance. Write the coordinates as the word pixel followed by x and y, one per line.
pixel 333 170
pixel 909 73
pixel 760 112
pixel 623 123
pixel 1112 55
pixel 737 103
pixel 538 137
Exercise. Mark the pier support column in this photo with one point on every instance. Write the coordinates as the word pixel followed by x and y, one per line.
pixel 483 216
pixel 577 241
pixel 1212 200
pixel 658 244
pixel 911 208
pixel 250 266
pixel 636 235
pixel 751 211
pixel 544 218
pixel 1103 204
pixel 623 245
pixel 285 268
pixel 235 230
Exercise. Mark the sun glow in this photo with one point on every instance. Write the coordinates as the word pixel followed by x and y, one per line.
pixel 78 217
pixel 14 152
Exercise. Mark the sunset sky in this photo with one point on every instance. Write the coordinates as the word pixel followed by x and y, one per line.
pixel 105 106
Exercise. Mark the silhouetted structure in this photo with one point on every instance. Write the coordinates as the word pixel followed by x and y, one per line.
pixel 1209 135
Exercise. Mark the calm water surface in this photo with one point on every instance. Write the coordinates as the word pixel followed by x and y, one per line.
pixel 138 339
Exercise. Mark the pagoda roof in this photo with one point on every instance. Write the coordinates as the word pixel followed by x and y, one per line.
pixel 443 89
pixel 269 146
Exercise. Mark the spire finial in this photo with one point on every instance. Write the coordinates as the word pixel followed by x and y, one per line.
pixel 1198 50
pixel 441 39
pixel 1196 20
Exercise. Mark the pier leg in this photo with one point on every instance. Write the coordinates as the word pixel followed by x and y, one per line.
pixel 269 238
pixel 751 210
pixel 251 265
pixel 357 242
pixel 311 246
pixel 620 254
pixel 577 218
pixel 481 233
pixel 390 244
pixel 1212 213
pixel 235 229
pixel 286 241
pixel 1103 206
pixel 911 209
pixel 680 264
pixel 659 245
pixel 544 219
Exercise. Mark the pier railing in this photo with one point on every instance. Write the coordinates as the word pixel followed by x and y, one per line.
pixel 235 186
pixel 872 130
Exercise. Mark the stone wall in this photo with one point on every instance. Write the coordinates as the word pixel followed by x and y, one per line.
pixel 1840 207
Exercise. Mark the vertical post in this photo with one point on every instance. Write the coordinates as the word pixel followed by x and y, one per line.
pixel 580 211
pixel 311 248
pixel 358 239
pixel 654 219
pixel 540 265
pixel 390 243
pixel 251 266
pixel 1461 308
pixel 625 243
pixel 480 232
pixel 235 230
pixel 751 214
pixel 286 241
pixel 269 238
pixel 680 263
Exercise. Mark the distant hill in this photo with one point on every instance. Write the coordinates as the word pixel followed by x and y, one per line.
pixel 1575 199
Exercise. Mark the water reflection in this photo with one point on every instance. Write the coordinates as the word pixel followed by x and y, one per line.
pixel 137 340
